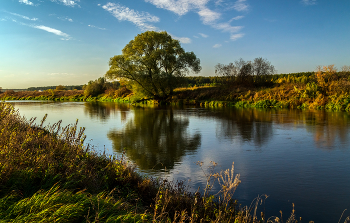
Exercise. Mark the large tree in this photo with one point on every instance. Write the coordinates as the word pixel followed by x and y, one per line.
pixel 154 63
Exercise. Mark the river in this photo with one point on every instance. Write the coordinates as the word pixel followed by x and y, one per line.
pixel 293 156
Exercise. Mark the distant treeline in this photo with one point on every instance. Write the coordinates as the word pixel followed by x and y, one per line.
pixel 70 87
pixel 212 81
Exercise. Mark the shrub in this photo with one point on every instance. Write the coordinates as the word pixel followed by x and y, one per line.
pixel 60 88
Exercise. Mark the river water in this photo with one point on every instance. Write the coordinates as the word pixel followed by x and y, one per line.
pixel 293 156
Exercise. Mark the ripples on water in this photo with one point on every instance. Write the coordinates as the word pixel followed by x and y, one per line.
pixel 293 156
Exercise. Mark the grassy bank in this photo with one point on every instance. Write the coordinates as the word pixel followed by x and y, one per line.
pixel 60 95
pixel 312 90
pixel 48 175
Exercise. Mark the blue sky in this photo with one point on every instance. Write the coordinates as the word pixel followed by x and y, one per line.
pixel 68 42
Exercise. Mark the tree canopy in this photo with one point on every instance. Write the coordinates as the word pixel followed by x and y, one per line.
pixel 154 63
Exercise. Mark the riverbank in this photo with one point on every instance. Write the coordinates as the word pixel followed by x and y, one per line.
pixel 47 174
pixel 298 91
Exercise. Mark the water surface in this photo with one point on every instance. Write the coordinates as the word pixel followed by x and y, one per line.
pixel 293 156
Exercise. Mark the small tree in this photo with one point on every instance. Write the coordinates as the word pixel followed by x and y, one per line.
pixel 345 68
pixel 94 88
pixel 246 72
pixel 60 88
pixel 262 70
pixel 154 63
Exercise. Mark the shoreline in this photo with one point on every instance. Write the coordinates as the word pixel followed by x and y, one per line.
pixel 340 103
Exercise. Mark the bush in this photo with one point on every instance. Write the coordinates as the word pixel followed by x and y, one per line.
pixel 60 88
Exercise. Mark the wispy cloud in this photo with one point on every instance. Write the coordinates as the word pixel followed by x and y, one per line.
pixel 208 16
pixel 309 2
pixel 26 2
pixel 57 32
pixel 22 16
pixel 182 7
pixel 217 45
pixel 70 3
pixel 64 36
pixel 184 40
pixel 218 2
pixel 236 18
pixel 92 26
pixel 226 27
pixel 66 18
pixel 241 5
pixel 235 37
pixel 123 13
pixel 203 35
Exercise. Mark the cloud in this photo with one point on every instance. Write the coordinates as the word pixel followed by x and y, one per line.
pixel 226 27
pixel 68 2
pixel 208 17
pixel 235 37
pixel 182 7
pixel 23 17
pixel 184 40
pixel 309 2
pixel 236 18
pixel 203 35
pixel 92 26
pixel 57 32
pixel 217 45
pixel 65 19
pixel 123 13
pixel 3 20
pixel 218 2
pixel 26 2
pixel 241 5
pixel 64 36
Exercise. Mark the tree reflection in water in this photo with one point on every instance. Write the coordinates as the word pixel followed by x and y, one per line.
pixel 155 139
pixel 326 126
pixel 103 110
pixel 249 124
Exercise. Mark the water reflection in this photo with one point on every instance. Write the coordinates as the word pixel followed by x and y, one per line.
pixel 155 139
pixel 326 127
pixel 103 111
pixel 251 125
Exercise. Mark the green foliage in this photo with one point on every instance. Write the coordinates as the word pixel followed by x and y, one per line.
pixel 55 205
pixel 99 86
pixel 60 88
pixel 311 90
pixel 154 64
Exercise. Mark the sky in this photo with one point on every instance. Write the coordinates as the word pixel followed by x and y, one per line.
pixel 70 42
